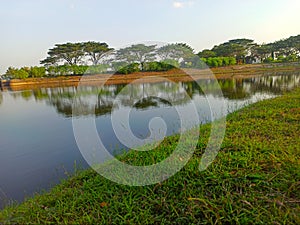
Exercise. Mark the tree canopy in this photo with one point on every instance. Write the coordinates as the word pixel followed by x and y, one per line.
pixel 76 53
pixel 138 53
pixel 175 51
pixel 245 50
pixel 95 50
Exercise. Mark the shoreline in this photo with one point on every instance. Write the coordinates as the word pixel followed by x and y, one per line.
pixel 250 174
pixel 236 72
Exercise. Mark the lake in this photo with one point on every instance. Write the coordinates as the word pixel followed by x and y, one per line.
pixel 38 147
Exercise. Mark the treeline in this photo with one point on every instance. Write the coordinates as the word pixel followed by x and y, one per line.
pixel 38 72
pixel 97 57
pixel 26 72
pixel 247 51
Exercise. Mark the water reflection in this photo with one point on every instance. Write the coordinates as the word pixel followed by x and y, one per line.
pixel 151 102
pixel 101 100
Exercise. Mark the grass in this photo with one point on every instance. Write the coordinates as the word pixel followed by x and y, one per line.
pixel 255 179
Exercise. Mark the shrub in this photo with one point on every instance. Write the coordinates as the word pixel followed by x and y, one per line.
pixel 157 66
pixel 132 68
pixel 37 71
pixel 269 60
pixel 171 62
pixel 96 69
pixel 21 74
pixel 77 70
pixel 17 73
pixel 232 61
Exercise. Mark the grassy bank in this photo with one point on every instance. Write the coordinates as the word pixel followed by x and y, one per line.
pixel 255 179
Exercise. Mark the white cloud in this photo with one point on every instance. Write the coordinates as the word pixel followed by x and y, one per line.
pixel 178 4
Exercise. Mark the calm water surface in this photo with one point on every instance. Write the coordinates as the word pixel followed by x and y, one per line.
pixel 37 144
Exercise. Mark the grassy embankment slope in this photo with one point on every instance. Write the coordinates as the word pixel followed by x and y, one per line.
pixel 254 179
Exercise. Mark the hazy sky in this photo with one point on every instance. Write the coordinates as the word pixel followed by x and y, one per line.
pixel 30 27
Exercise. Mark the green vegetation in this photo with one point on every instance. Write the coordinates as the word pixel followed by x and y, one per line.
pixel 64 70
pixel 132 68
pixel 73 53
pixel 26 72
pixel 147 67
pixel 246 51
pixel 74 58
pixel 219 61
pixel 254 180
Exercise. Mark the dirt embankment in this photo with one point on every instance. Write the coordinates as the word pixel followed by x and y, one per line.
pixel 238 71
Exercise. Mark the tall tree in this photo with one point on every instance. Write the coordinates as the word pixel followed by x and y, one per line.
pixel 237 48
pixel 69 53
pixel 294 41
pixel 95 50
pixel 138 53
pixel 289 46
pixel 206 53
pixel 175 51
pixel 262 51
pixel 246 43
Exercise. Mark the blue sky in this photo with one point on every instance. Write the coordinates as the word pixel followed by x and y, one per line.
pixel 30 27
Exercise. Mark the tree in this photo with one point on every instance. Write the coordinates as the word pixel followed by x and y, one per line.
pixel 186 46
pixel 230 50
pixel 262 51
pixel 206 53
pixel 246 43
pixel 178 51
pixel 287 47
pixel 138 53
pixel 69 53
pixel 95 50
pixel 294 42
pixel 237 48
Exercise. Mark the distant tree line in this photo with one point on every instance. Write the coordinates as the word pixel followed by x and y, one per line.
pixel 97 57
pixel 246 51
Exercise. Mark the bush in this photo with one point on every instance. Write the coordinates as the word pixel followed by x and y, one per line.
pixel 77 70
pixel 21 74
pixel 232 61
pixel 171 62
pixel 132 68
pixel 65 70
pixel 219 61
pixel 118 65
pixel 17 73
pixel 37 71
pixel 291 58
pixel 269 60
pixel 96 69
pixel 52 71
pixel 157 66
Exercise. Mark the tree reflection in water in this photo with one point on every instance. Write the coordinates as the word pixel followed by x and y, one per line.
pixel 101 101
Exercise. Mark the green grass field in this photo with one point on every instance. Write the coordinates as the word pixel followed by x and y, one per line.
pixel 255 179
